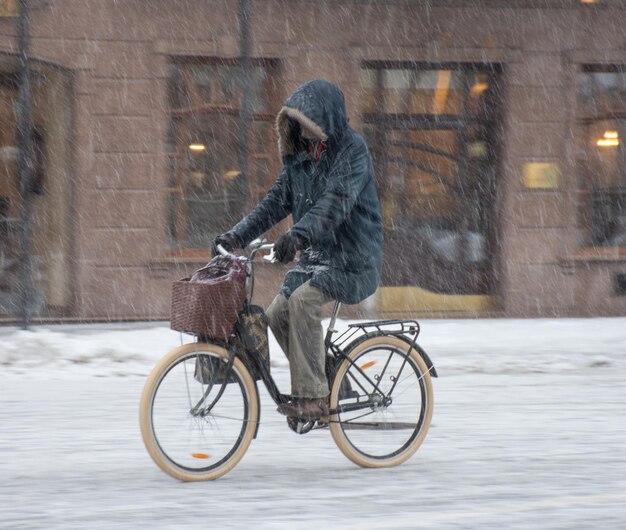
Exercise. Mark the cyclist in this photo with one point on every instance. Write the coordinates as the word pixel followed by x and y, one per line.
pixel 327 185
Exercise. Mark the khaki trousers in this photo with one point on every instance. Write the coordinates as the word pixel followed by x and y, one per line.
pixel 297 325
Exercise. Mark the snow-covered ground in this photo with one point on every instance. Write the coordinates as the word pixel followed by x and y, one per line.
pixel 529 431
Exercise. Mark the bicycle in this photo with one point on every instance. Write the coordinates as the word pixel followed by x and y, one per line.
pixel 381 399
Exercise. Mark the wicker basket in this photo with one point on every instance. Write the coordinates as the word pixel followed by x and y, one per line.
pixel 208 308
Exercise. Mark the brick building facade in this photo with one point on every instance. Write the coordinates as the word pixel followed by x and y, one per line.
pixel 497 130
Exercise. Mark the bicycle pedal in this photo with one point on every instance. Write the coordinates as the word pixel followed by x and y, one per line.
pixel 300 426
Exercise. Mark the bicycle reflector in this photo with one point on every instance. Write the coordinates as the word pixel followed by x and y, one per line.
pixel 201 455
pixel 368 365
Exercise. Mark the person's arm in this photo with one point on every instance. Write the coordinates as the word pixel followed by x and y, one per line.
pixel 274 207
pixel 344 186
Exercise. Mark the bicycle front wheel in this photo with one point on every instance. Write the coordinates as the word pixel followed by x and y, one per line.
pixel 196 421
pixel 384 401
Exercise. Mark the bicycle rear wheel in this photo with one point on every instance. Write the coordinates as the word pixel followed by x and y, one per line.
pixel 198 424
pixel 384 401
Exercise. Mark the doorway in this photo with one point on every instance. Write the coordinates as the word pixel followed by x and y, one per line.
pixel 50 191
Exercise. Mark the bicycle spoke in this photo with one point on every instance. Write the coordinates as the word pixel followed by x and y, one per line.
pixel 407 377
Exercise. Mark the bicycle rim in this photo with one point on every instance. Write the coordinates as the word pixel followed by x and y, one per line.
pixel 198 424
pixel 396 385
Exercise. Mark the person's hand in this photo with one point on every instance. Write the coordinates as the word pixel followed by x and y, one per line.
pixel 286 247
pixel 230 241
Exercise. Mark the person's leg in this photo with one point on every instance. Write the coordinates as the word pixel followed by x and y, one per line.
pixel 307 358
pixel 278 319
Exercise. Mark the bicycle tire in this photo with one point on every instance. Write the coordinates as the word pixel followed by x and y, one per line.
pixel 239 378
pixel 340 427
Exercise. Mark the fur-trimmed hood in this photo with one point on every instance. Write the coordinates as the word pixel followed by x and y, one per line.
pixel 332 198
pixel 319 107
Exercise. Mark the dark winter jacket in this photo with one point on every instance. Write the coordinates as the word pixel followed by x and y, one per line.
pixel 333 200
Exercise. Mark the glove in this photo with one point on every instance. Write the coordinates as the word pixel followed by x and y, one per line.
pixel 286 246
pixel 230 241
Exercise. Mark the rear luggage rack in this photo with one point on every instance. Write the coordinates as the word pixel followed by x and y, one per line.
pixel 404 326
pixel 382 327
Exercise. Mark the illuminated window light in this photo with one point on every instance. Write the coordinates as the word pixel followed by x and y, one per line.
pixel 479 87
pixel 611 139
pixel 232 174
pixel 197 147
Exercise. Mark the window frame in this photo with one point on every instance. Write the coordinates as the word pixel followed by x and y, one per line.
pixel 174 190
pixel 586 189
pixel 481 279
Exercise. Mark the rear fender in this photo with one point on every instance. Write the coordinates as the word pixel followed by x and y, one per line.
pixel 404 338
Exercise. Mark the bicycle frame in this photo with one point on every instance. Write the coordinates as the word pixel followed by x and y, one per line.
pixel 338 349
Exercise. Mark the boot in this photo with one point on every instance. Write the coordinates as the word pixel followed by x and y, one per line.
pixel 305 408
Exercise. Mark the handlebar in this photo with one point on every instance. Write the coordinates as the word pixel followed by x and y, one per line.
pixel 256 247
pixel 265 246
pixel 224 252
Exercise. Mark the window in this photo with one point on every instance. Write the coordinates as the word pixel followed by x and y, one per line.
pixel 602 156
pixel 207 192
pixel 432 132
